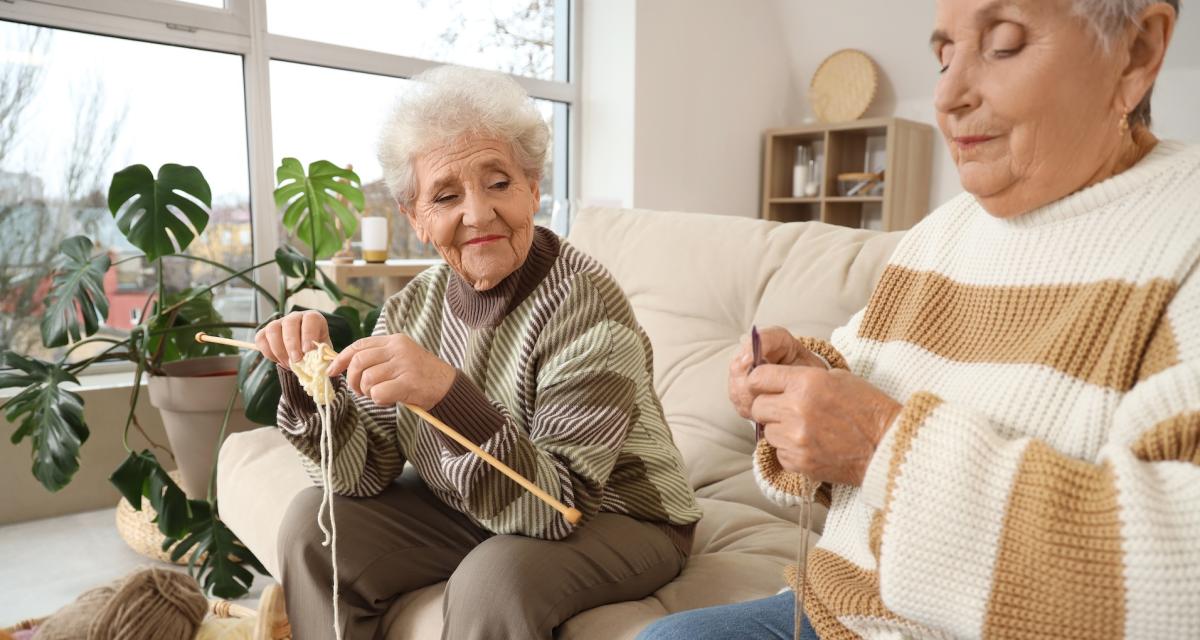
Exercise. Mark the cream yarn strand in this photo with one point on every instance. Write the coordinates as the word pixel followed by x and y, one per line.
pixel 311 371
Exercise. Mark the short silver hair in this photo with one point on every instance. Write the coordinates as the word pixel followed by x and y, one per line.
pixel 1108 18
pixel 448 102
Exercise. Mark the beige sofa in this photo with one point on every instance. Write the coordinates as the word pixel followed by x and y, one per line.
pixel 697 283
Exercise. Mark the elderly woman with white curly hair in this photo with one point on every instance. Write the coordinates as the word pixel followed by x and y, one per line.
pixel 527 347
pixel 1008 435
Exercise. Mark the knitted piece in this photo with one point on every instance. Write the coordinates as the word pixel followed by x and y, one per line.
pixel 310 370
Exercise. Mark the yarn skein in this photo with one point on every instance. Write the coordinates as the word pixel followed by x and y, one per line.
pixel 152 604
pixel 311 372
pixel 148 604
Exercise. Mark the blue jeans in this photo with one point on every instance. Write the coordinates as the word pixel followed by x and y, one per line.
pixel 765 618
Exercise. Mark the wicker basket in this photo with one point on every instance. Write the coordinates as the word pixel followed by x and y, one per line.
pixel 140 532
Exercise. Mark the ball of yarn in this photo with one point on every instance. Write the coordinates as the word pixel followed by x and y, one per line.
pixel 151 604
pixel 71 622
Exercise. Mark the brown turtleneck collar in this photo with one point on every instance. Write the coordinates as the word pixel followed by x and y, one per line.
pixel 479 309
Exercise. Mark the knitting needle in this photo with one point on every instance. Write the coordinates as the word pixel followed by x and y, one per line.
pixel 572 515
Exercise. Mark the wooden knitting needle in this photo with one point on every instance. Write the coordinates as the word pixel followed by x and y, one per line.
pixel 572 515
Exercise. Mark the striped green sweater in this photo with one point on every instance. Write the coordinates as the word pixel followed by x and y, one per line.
pixel 555 379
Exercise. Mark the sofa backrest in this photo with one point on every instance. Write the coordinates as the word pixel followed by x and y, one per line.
pixel 697 283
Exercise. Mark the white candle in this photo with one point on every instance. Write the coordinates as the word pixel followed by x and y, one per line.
pixel 374 238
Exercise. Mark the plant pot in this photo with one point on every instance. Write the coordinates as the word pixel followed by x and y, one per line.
pixel 192 399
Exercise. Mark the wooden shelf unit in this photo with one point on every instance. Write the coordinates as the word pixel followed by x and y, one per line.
pixel 908 151
pixel 395 272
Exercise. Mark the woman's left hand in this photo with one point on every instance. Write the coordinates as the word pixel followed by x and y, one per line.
pixel 394 369
pixel 823 424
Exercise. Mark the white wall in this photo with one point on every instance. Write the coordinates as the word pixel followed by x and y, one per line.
pixel 708 76
pixel 711 76
pixel 1175 106
pixel 607 101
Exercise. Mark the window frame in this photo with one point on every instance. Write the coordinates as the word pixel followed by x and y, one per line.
pixel 240 28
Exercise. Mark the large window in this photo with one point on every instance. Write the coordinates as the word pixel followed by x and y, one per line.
pixel 513 36
pixel 74 109
pixel 231 86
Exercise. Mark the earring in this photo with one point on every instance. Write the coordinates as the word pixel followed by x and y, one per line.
pixel 1123 124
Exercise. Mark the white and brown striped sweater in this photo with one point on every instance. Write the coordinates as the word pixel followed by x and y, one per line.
pixel 555 379
pixel 1043 477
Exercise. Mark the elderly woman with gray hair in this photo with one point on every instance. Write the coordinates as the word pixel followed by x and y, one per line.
pixel 1008 435
pixel 530 350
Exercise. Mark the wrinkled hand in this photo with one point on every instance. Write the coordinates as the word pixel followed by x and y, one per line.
pixel 394 369
pixel 285 340
pixel 778 347
pixel 823 424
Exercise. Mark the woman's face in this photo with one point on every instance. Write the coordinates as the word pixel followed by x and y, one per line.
pixel 1028 102
pixel 476 205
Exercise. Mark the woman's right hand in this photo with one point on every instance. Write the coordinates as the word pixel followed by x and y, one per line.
pixel 779 346
pixel 285 340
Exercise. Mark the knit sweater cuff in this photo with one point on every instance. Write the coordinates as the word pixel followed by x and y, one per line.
pixel 466 410
pixel 783 487
pixel 828 354
pixel 293 395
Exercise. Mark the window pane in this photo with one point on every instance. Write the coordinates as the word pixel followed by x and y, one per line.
pixel 76 108
pixel 218 4
pixel 341 123
pixel 514 36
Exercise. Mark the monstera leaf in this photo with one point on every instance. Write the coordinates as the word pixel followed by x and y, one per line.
pixel 311 203
pixel 215 551
pixel 181 345
pixel 218 559
pixel 48 414
pixel 360 326
pixel 294 264
pixel 142 476
pixel 78 290
pixel 260 387
pixel 155 215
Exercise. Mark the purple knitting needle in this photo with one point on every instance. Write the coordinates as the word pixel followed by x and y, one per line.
pixel 756 354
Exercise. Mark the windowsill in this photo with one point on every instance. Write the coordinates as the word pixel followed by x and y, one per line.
pixel 107 380
pixel 118 376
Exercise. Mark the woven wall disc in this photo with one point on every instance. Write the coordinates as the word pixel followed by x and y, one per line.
pixel 844 86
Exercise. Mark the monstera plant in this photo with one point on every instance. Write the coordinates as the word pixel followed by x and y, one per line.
pixel 162 215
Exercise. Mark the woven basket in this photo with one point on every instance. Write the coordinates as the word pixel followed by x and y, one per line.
pixel 140 532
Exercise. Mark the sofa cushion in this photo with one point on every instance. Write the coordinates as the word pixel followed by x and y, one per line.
pixel 698 282
pixel 258 475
